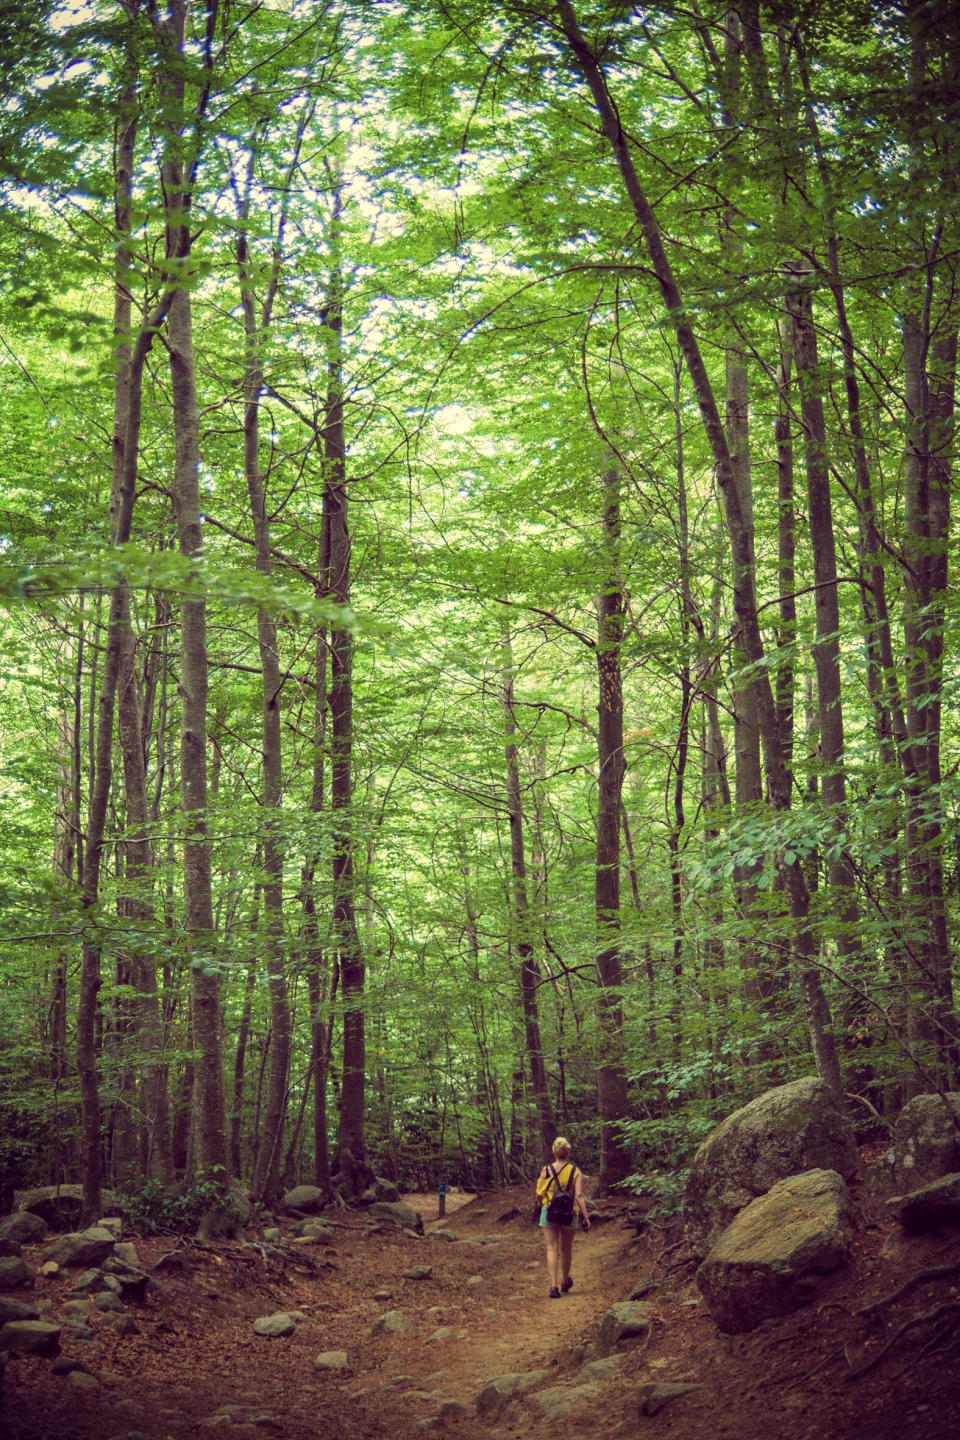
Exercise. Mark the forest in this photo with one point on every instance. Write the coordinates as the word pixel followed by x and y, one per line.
pixel 479 650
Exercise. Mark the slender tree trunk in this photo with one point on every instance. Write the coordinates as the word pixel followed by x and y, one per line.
pixel 748 777
pixel 212 1156
pixel 676 818
pixel 613 1101
pixel 529 970
pixel 353 1170
pixel 826 651
pixel 823 1043
pixel 266 1180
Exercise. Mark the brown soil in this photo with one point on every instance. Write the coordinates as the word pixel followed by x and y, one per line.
pixel 195 1354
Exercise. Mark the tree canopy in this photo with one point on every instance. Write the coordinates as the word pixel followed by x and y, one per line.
pixel 476 557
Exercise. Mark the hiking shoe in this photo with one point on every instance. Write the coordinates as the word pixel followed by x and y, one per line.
pixel 567 1284
pixel 554 1293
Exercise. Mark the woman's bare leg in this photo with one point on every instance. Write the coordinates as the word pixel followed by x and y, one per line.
pixel 551 1236
pixel 566 1252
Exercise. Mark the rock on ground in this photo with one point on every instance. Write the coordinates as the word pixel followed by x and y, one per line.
pixel 23 1227
pixel 929 1208
pixel 307 1198
pixel 784 1132
pixel 59 1205
pixel 275 1327
pixel 393 1321
pixel 498 1392
pixel 926 1141
pixel 621 1322
pixel 761 1265
pixel 15 1273
pixel 30 1337
pixel 80 1248
pixel 399 1212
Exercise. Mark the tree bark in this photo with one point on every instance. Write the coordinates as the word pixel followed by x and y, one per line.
pixel 266 1180
pixel 816 1010
pixel 612 1095
pixel 529 970
pixel 352 1166
pixel 212 1157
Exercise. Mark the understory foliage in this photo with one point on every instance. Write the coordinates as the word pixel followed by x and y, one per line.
pixel 564 395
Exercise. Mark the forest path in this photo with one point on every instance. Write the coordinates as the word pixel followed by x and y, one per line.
pixel 472 1307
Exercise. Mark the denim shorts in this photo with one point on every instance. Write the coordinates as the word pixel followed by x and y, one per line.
pixel 544 1222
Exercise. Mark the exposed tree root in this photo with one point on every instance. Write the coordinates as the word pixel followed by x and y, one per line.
pixel 919 1277
pixel 950 1307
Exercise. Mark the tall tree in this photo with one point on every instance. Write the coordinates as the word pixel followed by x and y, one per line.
pixel 181 157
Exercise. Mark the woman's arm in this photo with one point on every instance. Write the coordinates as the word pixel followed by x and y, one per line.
pixel 581 1202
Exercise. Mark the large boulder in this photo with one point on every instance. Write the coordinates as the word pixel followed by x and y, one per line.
pixel 380 1189
pixel 763 1263
pixel 930 1207
pixel 797 1127
pixel 80 1248
pixel 399 1212
pixel 23 1227
pixel 926 1141
pixel 15 1273
pixel 60 1205
pixel 30 1337
pixel 308 1199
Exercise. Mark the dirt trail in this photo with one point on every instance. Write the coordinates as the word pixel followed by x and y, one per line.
pixel 476 1307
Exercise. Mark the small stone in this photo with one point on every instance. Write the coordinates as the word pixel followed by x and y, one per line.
pixel 127 1254
pixel 272 1235
pixel 384 1293
pixel 11 1309
pixel 79 1310
pixel 331 1360
pixel 64 1364
pixel 652 1396
pixel 89 1280
pixel 620 1322
pixel 108 1300
pixel 274 1327
pixel 452 1410
pixel 497 1393
pixel 81 1380
pixel 394 1321
pixel 443 1333
pixel 417 1272
pixel 475 1280
pixel 114 1224
pixel 49 1268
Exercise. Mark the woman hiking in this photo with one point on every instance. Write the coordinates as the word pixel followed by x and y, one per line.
pixel 560 1196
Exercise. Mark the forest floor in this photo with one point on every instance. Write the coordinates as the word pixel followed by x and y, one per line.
pixel 195 1367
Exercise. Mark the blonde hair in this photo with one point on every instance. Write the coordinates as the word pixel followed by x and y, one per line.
pixel 561 1147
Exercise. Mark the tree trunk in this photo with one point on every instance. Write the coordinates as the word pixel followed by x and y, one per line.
pixel 612 1097
pixel 212 1157
pixel 266 1180
pixel 529 970
pixel 353 1170
pixel 816 1010
pixel 826 651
